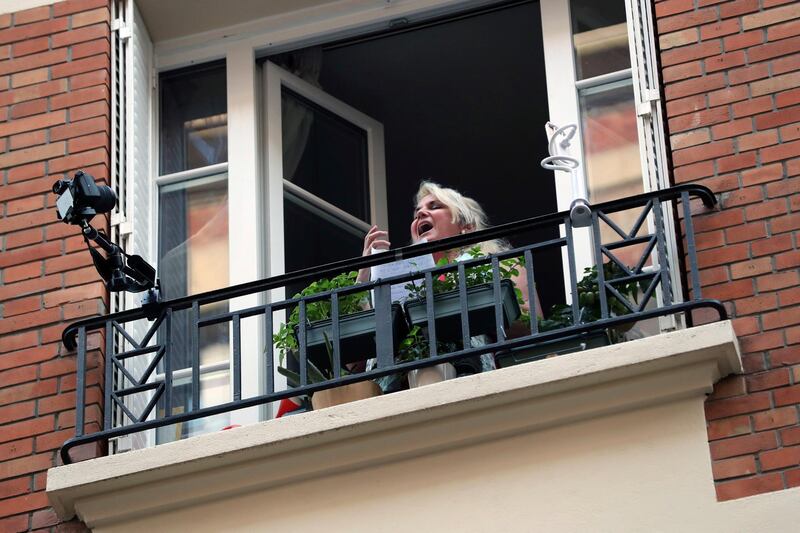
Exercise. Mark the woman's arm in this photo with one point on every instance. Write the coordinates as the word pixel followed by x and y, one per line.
pixel 377 239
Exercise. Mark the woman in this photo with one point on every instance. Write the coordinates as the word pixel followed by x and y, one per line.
pixel 441 212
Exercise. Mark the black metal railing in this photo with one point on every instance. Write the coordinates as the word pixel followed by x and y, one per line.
pixel 156 350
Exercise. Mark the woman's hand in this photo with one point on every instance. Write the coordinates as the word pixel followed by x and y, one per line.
pixel 377 239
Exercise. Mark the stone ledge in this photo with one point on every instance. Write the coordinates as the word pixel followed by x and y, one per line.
pixel 411 423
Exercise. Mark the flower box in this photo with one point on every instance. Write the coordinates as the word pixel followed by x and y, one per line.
pixel 574 343
pixel 356 337
pixel 480 307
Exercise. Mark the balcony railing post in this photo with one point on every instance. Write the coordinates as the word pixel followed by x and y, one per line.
pixel 573 276
pixel 80 383
pixel 663 258
pixel 269 349
pixel 383 326
pixel 195 352
pixel 168 363
pixel 597 244
pixel 237 358
pixel 109 373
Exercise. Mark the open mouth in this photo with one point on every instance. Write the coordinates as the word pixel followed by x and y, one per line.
pixel 423 228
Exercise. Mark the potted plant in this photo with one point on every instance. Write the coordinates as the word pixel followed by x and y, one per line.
pixel 414 347
pixel 480 300
pixel 560 316
pixel 356 324
pixel 356 334
pixel 334 396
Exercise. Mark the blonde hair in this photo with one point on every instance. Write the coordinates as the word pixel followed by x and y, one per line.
pixel 465 211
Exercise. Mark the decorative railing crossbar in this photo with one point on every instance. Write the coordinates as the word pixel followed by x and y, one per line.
pixel 121 383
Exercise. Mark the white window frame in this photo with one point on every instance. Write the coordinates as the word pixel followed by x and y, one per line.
pixel 251 243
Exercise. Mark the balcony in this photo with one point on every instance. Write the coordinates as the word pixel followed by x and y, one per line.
pixel 153 350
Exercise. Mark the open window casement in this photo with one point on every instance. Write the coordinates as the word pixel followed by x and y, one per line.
pixel 131 222
pixel 601 75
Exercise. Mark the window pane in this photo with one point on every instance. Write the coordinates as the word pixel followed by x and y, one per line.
pixel 194 119
pixel 611 151
pixel 325 154
pixel 314 238
pixel 600 36
pixel 193 258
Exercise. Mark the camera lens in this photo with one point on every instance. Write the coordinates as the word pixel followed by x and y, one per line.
pixel 59 186
pixel 106 200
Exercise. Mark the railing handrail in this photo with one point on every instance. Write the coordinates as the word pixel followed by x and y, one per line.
pixel 459 241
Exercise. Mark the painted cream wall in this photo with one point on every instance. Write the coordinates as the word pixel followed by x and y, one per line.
pixel 643 470
pixel 610 439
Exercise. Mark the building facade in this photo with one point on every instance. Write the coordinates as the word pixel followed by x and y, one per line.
pixel 704 92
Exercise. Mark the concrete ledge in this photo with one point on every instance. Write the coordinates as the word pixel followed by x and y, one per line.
pixel 448 415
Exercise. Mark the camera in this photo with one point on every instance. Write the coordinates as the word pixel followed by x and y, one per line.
pixel 80 198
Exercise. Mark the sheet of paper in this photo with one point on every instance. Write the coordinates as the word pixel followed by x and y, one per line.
pixel 397 268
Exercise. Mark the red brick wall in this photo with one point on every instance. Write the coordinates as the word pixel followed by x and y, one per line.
pixel 54 119
pixel 731 73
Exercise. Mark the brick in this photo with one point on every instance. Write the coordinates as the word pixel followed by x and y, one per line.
pixel 779 280
pixel 32 123
pixel 15 523
pixel 789 296
pixel 713 239
pixel 88 79
pixel 31 15
pixel 782 318
pixel 21 306
pixel 24 504
pixel 25 205
pixel 741 488
pixel 775 418
pixel 24 220
pixel 785 223
pixel 748 74
pixel 782 458
pixel 89 33
pixel 787 395
pixel 686 20
pixel 91 48
pixel 771 16
pixel 728 95
pixel 787 260
pixel 30 320
pixel 27 428
pixel 724 61
pixel 751 268
pixel 79 66
pixel 10 343
pixel 761 341
pixel 719 29
pixel 743 40
pixel 87 142
pixel 678 38
pixel 79 97
pixel 738 7
pixel 681 106
pixel 778 118
pixel 736 162
pixel 732 253
pixel 701 153
pixel 682 71
pixel 690 138
pixel 17 448
pixel 785 356
pixel 15 487
pixel 33 92
pixel 693 172
pixel 728 427
pixel 790 436
pixel 29 31
pixel 17 411
pixel 31 46
pixel 728 182
pixel 768 380
pixel 782 31
pixel 74 162
pixel 790 132
pixel 762 174
pixel 737 405
pixel 742 445
pixel 695 86
pixel 28 155
pixel 741 197
pixel 772 245
pixel 76 6
pixel 26 109
pixel 699 119
pixel 758 140
pixel 739 466
pixel 29 77
pixel 728 387
pixel 671 7
pixel 755 304
pixel 745 326
pixel 80 128
pixel 769 208
pixel 787 98
pixel 74 294
pixel 33 61
pixel 90 17
pixel 732 129
pixel 86 111
pixel 27 139
pixel 717 220
pixel 775 84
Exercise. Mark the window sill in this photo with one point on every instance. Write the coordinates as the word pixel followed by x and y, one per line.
pixel 475 409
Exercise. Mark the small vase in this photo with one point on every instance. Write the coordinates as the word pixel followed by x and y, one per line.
pixel 430 375
pixel 344 394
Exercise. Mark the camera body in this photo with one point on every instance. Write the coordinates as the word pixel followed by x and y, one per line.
pixel 80 198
